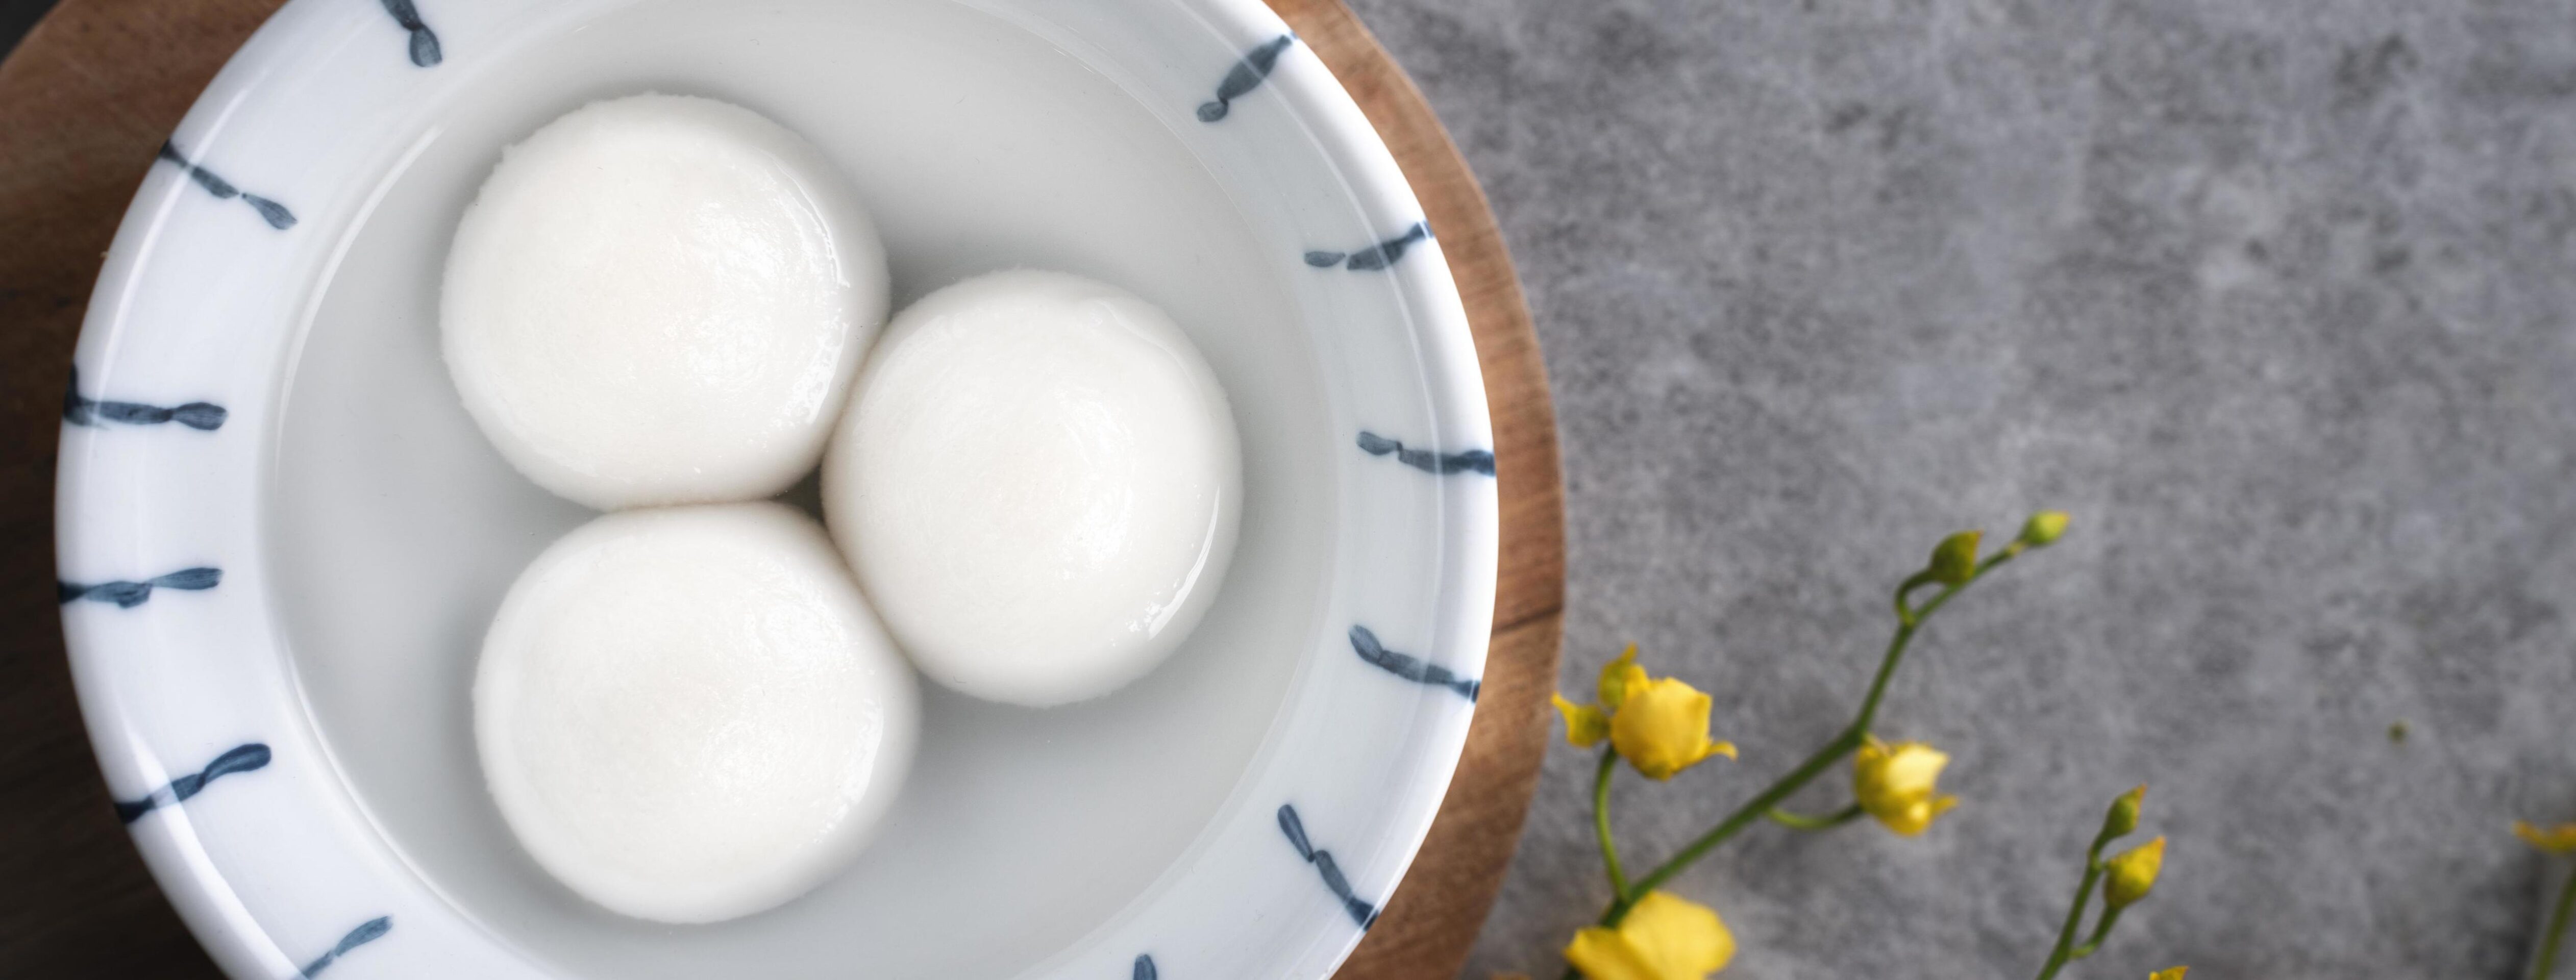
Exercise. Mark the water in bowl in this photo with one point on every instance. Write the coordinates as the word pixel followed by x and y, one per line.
pixel 395 528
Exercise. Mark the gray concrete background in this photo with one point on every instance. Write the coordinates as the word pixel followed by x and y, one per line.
pixel 2274 296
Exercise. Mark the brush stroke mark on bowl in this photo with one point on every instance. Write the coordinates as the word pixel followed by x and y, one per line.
pixel 275 214
pixel 1410 667
pixel 1244 77
pixel 366 932
pixel 1361 912
pixel 1437 464
pixel 80 409
pixel 425 51
pixel 239 758
pixel 127 595
pixel 1374 257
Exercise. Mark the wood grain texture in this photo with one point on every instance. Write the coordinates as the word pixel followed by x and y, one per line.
pixel 87 98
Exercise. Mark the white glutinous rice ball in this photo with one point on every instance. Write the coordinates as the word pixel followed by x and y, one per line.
pixel 1038 483
pixel 660 299
pixel 689 714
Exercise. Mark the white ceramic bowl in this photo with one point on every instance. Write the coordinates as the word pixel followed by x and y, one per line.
pixel 281 538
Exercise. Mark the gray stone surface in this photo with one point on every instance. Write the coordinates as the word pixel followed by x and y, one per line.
pixel 2274 296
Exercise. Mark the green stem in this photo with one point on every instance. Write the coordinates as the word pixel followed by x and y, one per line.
pixel 1601 823
pixel 1797 779
pixel 1800 821
pixel 1905 615
pixel 1743 816
pixel 2101 931
pixel 2064 950
pixel 2557 931
pixel 1908 619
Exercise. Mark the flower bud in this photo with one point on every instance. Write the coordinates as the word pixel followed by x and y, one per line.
pixel 2044 528
pixel 2133 874
pixel 1618 676
pixel 2560 839
pixel 1954 560
pixel 2123 817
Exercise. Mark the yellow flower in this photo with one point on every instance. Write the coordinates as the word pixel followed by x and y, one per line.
pixel 2560 839
pixel 2133 873
pixel 1662 728
pixel 1664 937
pixel 1585 724
pixel 2169 973
pixel 1659 726
pixel 1896 784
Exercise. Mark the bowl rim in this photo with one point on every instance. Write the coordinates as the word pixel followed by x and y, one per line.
pixel 150 499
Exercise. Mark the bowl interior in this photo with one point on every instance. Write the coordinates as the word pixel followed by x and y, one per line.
pixel 394 527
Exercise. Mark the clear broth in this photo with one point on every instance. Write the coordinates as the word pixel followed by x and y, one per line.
pixel 976 145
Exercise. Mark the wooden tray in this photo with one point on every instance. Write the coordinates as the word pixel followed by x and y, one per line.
pixel 87 98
